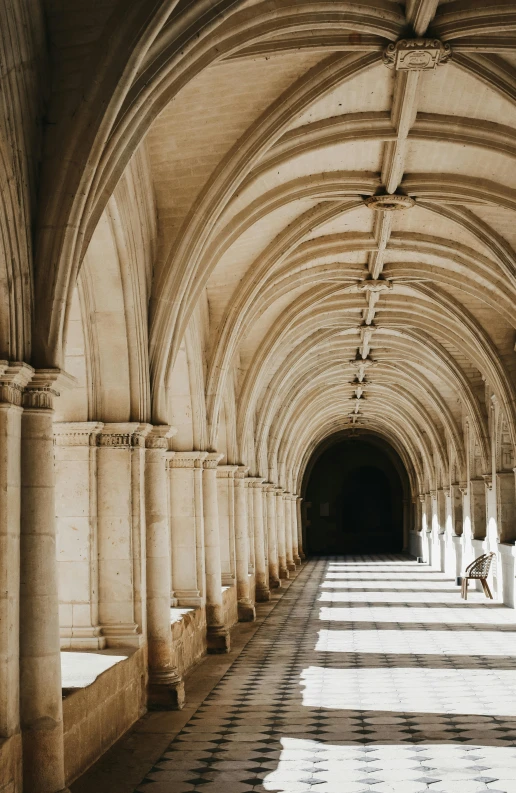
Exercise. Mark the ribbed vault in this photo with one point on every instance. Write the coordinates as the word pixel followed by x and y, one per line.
pixel 287 302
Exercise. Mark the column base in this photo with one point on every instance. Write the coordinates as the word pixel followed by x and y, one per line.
pixel 283 573
pixel 246 611
pixel 274 583
pixel 218 639
pixel 291 566
pixel 297 561
pixel 165 691
pixel 302 554
pixel 263 595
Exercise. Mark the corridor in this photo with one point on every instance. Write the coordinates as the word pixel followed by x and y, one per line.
pixel 369 675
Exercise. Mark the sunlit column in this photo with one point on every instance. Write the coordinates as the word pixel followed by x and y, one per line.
pixel 477 508
pixel 121 532
pixel 274 580
pixel 186 522
pixel 249 495
pixel 295 531
pixel 300 546
pixel 166 687
pixel 218 634
pixel 260 569
pixel 287 506
pixel 246 610
pixel 76 533
pixel 506 506
pixel 12 380
pixel 40 662
pixel 226 501
pixel 280 528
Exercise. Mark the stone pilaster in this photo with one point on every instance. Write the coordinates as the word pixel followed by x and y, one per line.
pixel 300 547
pixel 289 545
pixel 246 610
pixel 280 527
pixel 226 501
pixel 295 530
pixel 477 508
pixel 274 579
pixel 166 688
pixel 186 527
pixel 218 634
pixel 77 533
pixel 261 572
pixel 121 530
pixel 13 378
pixel 40 663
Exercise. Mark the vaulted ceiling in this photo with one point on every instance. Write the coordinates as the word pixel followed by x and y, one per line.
pixel 326 309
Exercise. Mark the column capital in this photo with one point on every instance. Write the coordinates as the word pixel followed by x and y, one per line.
pixel 241 472
pixel 124 435
pixel 44 385
pixel 279 491
pixel 463 487
pixel 212 460
pixel 158 436
pixel 421 497
pixel 77 433
pixel 488 481
pixel 269 487
pixel 226 471
pixel 186 459
pixel 255 481
pixel 13 379
pixel 286 495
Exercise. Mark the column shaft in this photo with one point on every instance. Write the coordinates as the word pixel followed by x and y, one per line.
pixel 280 526
pixel 246 610
pixel 295 531
pixel 40 662
pixel 274 579
pixel 287 506
pixel 261 572
pixel 185 526
pixel 218 634
pixel 166 688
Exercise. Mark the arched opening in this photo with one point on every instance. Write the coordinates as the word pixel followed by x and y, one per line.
pixel 355 490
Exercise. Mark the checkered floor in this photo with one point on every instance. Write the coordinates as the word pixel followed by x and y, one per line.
pixel 369 675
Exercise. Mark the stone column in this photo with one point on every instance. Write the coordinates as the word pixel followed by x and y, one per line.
pixel 166 688
pixel 477 508
pixel 183 468
pixel 506 506
pixel 246 610
pixel 121 524
pixel 248 485
pixel 300 548
pixel 457 508
pixel 280 528
pixel 40 662
pixel 274 580
pixel 260 569
pixel 218 634
pixel 226 501
pixel 77 534
pixel 287 506
pixel 295 530
pixel 13 378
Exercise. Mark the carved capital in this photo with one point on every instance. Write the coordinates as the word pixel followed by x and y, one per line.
pixel 388 202
pixel 44 385
pixel 212 460
pixel 127 435
pixel 255 481
pixel 13 379
pixel 488 481
pixel 77 433
pixel 186 459
pixel 416 55
pixel 158 436
pixel 241 471
pixel 226 471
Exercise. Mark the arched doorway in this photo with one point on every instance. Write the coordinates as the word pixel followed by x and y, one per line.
pixel 355 490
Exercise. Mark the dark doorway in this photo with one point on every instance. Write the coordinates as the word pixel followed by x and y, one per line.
pixel 354 499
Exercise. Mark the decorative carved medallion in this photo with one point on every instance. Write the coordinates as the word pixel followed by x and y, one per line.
pixel 374 285
pixel 389 202
pixel 416 55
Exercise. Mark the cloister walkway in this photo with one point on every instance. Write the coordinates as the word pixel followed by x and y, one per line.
pixel 370 674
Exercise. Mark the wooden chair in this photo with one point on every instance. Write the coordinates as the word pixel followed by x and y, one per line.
pixel 478 571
